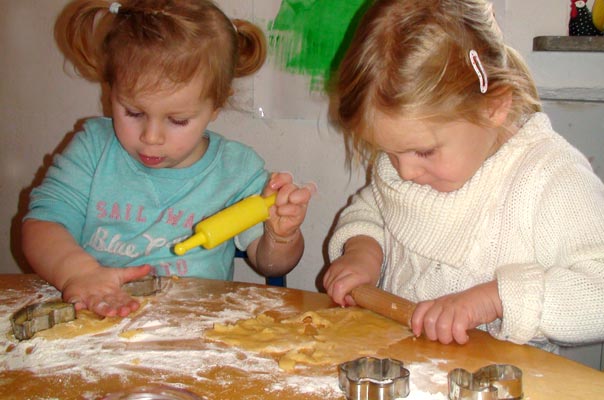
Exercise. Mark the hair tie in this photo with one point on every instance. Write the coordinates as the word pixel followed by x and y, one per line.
pixel 114 7
pixel 482 75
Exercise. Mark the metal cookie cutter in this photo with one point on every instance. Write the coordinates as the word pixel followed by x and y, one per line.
pixel 370 378
pixel 150 284
pixel 493 382
pixel 40 316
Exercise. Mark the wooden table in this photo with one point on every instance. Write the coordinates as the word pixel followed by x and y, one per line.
pixel 90 367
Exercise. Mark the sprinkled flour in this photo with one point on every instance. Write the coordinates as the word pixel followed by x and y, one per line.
pixel 154 329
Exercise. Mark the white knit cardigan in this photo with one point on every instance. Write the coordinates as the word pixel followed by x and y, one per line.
pixel 532 217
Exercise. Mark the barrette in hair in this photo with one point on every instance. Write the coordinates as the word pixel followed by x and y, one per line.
pixel 114 7
pixel 482 75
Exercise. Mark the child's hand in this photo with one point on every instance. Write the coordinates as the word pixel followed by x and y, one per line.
pixel 360 264
pixel 343 275
pixel 447 318
pixel 281 246
pixel 290 206
pixel 100 290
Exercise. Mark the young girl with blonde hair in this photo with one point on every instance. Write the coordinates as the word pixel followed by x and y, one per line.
pixel 476 209
pixel 128 188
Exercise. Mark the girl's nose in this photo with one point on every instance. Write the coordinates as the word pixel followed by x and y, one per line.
pixel 408 170
pixel 152 134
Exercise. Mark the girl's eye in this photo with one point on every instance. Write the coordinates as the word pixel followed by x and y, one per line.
pixel 133 114
pixel 424 154
pixel 179 122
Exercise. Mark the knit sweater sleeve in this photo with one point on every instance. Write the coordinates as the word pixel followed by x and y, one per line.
pixel 361 217
pixel 561 296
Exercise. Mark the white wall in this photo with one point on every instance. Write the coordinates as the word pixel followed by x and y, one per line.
pixel 40 104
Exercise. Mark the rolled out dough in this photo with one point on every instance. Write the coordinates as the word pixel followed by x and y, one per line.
pixel 323 337
pixel 88 323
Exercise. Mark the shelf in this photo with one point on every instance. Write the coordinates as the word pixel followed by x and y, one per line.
pixel 584 95
pixel 568 43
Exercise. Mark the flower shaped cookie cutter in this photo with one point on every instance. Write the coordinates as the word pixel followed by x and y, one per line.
pixel 370 378
pixel 493 382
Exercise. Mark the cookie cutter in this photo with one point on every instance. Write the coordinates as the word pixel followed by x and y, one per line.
pixel 493 382
pixel 369 378
pixel 37 317
pixel 40 316
pixel 146 286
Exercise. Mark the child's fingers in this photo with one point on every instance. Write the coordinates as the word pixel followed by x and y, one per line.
pixel 283 182
pixel 430 320
pixel 101 307
pixel 443 326
pixel 417 319
pixel 303 194
pixel 340 286
pixel 311 187
pixel 77 303
pixel 291 199
pixel 279 179
pixel 115 304
pixel 459 330
pixel 133 273
pixel 129 307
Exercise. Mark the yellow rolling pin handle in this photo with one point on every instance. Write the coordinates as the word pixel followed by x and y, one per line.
pixel 228 223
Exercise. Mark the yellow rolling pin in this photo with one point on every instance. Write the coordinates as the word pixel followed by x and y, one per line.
pixel 228 223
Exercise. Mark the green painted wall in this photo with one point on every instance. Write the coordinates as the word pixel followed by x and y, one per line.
pixel 309 37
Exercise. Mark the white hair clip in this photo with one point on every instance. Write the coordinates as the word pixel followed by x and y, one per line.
pixel 482 75
pixel 114 8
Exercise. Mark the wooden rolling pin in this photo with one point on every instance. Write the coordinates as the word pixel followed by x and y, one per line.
pixel 384 303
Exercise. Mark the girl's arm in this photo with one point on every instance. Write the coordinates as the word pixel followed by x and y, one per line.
pixel 281 246
pixel 563 290
pixel 359 264
pixel 355 248
pixel 56 256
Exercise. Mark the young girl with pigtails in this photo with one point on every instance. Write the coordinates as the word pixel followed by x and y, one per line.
pixel 129 187
pixel 476 208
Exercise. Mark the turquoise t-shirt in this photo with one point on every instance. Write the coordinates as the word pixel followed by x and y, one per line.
pixel 125 214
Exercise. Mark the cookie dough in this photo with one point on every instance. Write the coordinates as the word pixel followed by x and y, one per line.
pixel 86 323
pixel 323 337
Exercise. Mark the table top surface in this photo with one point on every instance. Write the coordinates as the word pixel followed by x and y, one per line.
pixel 170 349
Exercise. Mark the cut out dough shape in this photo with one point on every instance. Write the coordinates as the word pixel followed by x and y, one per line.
pixel 86 323
pixel 323 337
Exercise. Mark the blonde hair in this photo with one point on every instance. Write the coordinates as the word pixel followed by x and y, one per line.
pixel 153 44
pixel 411 58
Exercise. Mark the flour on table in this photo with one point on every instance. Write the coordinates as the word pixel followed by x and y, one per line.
pixel 147 342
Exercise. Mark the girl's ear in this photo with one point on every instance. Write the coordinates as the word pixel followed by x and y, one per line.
pixel 498 108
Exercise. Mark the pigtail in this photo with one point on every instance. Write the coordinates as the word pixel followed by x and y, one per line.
pixel 252 48
pixel 78 35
